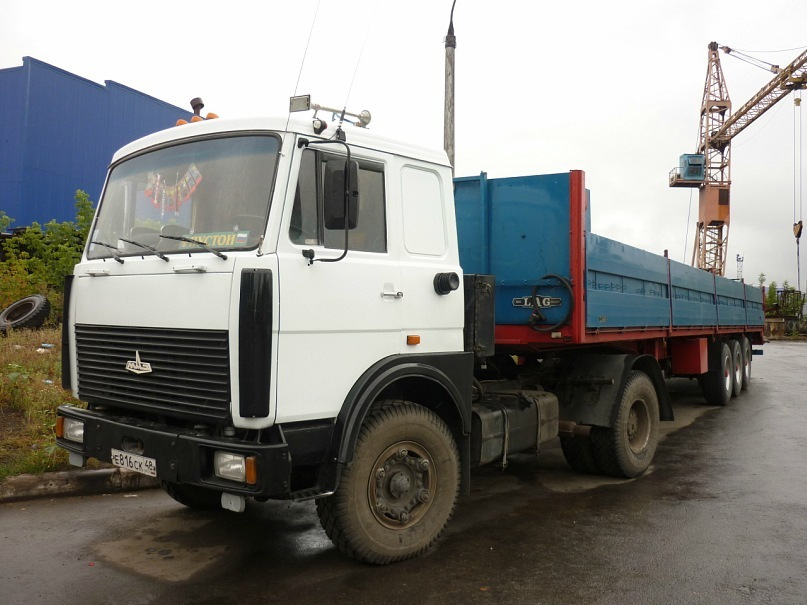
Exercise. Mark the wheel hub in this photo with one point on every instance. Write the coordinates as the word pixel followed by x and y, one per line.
pixel 638 426
pixel 401 484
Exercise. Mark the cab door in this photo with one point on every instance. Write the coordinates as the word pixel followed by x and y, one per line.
pixel 336 319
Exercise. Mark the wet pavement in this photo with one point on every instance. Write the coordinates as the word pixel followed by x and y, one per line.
pixel 720 518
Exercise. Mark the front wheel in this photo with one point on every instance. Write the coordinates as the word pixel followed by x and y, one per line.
pixel 396 497
pixel 627 448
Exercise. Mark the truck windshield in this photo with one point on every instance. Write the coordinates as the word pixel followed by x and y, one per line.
pixel 212 191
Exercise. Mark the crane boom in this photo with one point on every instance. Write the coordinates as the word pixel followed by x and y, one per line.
pixel 718 126
pixel 789 78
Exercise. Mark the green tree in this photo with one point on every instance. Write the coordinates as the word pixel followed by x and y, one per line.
pixel 40 257
pixel 761 279
pixel 770 299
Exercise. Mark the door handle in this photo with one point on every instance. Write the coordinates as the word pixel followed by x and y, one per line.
pixel 392 294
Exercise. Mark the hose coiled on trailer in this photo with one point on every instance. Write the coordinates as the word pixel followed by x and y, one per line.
pixel 537 317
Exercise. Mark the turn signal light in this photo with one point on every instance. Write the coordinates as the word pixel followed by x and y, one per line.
pixel 413 339
pixel 252 470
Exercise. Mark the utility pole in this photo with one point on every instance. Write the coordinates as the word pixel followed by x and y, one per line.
pixel 448 114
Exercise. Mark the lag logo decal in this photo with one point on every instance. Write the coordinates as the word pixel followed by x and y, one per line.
pixel 137 366
pixel 537 302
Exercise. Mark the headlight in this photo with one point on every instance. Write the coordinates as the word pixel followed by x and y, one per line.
pixel 70 429
pixel 235 467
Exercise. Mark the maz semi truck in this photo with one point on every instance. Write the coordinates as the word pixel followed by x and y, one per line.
pixel 283 309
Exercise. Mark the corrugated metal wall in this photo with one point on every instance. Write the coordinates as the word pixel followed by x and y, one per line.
pixel 58 132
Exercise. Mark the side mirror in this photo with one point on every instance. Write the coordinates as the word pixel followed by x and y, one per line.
pixel 334 195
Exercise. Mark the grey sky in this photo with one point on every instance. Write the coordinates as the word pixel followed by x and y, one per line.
pixel 612 88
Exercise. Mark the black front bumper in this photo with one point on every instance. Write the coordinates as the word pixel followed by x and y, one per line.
pixel 182 455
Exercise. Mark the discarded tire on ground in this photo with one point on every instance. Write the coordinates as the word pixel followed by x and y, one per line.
pixel 28 312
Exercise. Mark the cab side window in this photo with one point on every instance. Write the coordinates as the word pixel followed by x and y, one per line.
pixel 307 224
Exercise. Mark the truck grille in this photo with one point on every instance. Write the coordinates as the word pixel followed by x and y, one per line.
pixel 189 378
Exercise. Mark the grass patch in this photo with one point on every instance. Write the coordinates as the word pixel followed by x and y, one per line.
pixel 30 392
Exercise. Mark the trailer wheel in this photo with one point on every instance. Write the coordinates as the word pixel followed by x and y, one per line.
pixel 193 496
pixel 579 454
pixel 28 312
pixel 718 382
pixel 745 347
pixel 627 449
pixel 396 497
pixel 736 367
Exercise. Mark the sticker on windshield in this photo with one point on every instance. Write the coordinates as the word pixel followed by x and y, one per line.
pixel 221 238
pixel 171 197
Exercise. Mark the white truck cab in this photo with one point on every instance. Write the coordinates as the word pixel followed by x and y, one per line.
pixel 251 295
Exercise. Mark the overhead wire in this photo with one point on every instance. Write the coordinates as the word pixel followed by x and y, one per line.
pixel 305 54
pixel 783 50
pixel 686 237
pixel 361 52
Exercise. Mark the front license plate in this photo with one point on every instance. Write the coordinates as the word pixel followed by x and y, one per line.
pixel 133 462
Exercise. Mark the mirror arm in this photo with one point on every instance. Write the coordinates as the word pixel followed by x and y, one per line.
pixel 309 254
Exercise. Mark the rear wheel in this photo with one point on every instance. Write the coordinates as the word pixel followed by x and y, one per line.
pixel 579 454
pixel 396 497
pixel 736 367
pixel 718 382
pixel 745 347
pixel 193 496
pixel 627 449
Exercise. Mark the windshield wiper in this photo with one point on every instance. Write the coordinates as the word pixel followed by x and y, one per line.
pixel 182 238
pixel 157 253
pixel 111 247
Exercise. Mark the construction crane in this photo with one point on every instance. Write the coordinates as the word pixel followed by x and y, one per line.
pixel 710 168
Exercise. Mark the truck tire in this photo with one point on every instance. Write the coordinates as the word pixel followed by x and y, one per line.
pixel 736 367
pixel 627 448
pixel 28 312
pixel 579 454
pixel 396 497
pixel 718 382
pixel 193 496
pixel 745 347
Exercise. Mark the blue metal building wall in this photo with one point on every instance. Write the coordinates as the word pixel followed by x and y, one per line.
pixel 58 133
pixel 12 136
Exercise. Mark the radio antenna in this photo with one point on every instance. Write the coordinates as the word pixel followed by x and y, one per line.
pixel 305 54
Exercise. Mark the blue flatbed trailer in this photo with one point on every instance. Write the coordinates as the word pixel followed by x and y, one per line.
pixel 563 291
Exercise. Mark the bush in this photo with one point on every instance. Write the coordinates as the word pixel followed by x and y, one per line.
pixel 40 257
pixel 30 392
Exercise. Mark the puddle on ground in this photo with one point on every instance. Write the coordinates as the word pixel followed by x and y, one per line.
pixel 165 548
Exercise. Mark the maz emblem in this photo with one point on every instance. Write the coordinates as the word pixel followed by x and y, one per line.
pixel 137 366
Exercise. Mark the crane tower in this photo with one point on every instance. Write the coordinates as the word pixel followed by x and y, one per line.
pixel 710 168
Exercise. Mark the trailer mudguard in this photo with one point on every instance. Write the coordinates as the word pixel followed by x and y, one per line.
pixel 593 383
pixel 441 382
